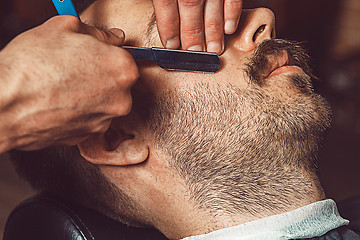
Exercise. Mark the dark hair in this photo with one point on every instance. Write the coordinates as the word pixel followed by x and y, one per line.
pixel 62 172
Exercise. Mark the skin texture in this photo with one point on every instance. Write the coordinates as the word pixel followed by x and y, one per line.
pixel 177 151
pixel 62 81
pixel 198 152
pixel 196 25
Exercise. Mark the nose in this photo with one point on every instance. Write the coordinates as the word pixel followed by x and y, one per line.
pixel 256 26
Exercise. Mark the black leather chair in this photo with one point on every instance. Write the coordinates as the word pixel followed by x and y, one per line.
pixel 46 217
pixel 350 209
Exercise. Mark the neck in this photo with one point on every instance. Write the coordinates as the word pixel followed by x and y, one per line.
pixel 182 218
pixel 169 205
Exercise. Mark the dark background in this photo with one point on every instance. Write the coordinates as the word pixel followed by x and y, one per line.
pixel 329 29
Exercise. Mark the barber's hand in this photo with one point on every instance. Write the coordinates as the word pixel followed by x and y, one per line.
pixel 199 24
pixel 66 80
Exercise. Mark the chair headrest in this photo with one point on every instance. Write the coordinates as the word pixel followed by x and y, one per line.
pixel 47 217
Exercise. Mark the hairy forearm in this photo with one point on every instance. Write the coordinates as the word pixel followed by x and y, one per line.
pixel 22 104
pixel 9 96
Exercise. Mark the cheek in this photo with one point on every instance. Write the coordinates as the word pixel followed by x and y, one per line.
pixel 233 65
pixel 153 39
pixel 116 175
pixel 124 178
pixel 156 79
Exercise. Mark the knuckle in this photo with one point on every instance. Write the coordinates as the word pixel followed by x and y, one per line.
pixel 120 66
pixel 192 32
pixel 235 4
pixel 122 107
pixel 130 74
pixel 191 3
pixel 102 126
pixel 126 107
pixel 125 80
pixel 66 22
pixel 131 71
pixel 123 73
pixel 214 26
pixel 164 3
pixel 96 126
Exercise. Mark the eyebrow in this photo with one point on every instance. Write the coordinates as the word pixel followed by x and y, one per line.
pixel 151 31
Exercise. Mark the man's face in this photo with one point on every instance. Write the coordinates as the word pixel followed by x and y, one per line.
pixel 230 132
pixel 136 19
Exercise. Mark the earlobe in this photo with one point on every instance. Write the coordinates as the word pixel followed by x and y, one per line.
pixel 115 147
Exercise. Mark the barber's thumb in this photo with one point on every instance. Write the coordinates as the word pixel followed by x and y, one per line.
pixel 118 33
pixel 113 36
pixel 116 37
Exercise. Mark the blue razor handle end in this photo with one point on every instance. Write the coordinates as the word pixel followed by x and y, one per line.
pixel 65 7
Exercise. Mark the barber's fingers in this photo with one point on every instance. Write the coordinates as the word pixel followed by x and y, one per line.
pixel 192 24
pixel 168 22
pixel 232 12
pixel 113 36
pixel 214 26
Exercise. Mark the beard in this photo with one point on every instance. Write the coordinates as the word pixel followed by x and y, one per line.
pixel 265 53
pixel 241 149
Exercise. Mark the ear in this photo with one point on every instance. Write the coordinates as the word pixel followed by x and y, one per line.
pixel 115 146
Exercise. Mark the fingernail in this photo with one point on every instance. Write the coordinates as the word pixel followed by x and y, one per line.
pixel 173 43
pixel 117 32
pixel 215 47
pixel 230 26
pixel 196 48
